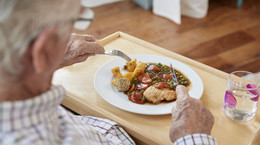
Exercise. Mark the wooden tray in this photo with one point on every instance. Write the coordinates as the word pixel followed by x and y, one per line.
pixel 82 97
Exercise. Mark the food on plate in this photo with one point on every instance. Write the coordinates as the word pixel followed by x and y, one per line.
pixel 136 97
pixel 116 72
pixel 129 75
pixel 123 84
pixel 139 68
pixel 131 65
pixel 149 82
pixel 135 71
pixel 159 92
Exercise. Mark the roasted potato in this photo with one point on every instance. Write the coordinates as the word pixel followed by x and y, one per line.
pixel 141 65
pixel 139 68
pixel 129 75
pixel 138 71
pixel 115 81
pixel 134 70
pixel 131 65
pixel 116 72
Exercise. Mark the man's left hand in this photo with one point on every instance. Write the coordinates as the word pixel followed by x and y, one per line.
pixel 79 48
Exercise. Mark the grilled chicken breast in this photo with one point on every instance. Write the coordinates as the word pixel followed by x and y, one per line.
pixel 156 95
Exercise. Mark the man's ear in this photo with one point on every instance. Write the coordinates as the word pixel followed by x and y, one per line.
pixel 39 49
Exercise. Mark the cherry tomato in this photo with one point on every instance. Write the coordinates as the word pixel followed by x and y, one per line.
pixel 162 85
pixel 153 67
pixel 144 78
pixel 136 97
pixel 167 76
pixel 141 86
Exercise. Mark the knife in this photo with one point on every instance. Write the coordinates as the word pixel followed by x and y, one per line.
pixel 173 74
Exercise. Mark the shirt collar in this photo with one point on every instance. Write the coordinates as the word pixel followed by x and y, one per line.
pixel 40 109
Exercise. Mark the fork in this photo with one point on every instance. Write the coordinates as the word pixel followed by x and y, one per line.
pixel 173 74
pixel 118 53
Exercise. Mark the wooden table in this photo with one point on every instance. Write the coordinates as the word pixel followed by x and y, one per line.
pixel 145 129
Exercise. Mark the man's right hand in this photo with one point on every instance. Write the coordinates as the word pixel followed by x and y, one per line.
pixel 80 47
pixel 189 116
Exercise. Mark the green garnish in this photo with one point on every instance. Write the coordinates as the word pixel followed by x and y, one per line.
pixel 154 82
pixel 134 80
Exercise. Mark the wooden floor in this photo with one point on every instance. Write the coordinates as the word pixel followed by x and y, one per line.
pixel 227 38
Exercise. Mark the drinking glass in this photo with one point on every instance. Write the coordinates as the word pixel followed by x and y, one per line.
pixel 241 96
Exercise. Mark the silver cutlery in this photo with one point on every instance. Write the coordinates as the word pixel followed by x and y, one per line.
pixel 173 74
pixel 118 53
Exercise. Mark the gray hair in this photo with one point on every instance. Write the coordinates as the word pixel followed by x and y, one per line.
pixel 21 21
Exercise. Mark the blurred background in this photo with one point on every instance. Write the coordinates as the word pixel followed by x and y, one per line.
pixel 227 38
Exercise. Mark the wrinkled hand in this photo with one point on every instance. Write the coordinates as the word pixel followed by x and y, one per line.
pixel 79 48
pixel 189 116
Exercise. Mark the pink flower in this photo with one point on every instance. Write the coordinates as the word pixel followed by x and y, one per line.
pixel 230 100
pixel 254 91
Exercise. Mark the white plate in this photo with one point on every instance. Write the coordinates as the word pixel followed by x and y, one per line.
pixel 103 84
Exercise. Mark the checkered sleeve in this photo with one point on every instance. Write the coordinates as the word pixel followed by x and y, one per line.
pixel 109 129
pixel 196 139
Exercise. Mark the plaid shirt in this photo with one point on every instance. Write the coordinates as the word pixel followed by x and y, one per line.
pixel 41 120
pixel 196 139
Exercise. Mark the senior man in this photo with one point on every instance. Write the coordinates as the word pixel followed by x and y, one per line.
pixel 34 36
pixel 35 40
